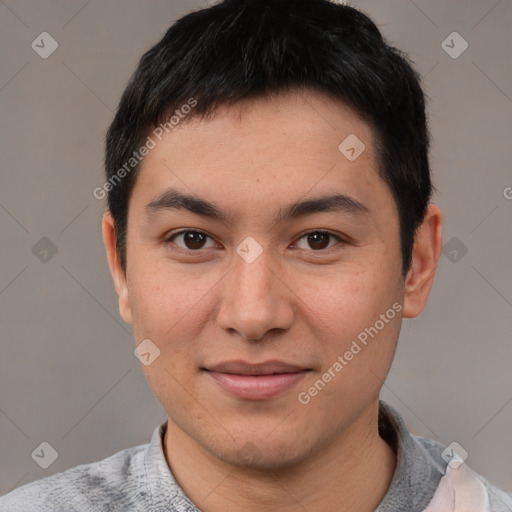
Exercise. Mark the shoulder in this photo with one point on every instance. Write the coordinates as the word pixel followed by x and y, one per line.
pixel 84 488
pixel 499 501
pixel 434 450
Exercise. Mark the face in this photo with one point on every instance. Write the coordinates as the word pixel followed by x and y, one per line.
pixel 259 309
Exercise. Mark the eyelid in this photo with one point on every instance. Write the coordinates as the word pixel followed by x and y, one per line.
pixel 339 238
pixel 168 238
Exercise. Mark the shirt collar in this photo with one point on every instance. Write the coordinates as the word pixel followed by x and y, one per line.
pixel 417 472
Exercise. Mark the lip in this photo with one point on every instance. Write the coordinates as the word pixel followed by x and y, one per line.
pixel 239 367
pixel 258 381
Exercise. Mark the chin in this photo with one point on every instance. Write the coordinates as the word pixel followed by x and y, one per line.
pixel 258 453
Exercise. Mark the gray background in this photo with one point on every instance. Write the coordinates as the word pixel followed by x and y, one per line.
pixel 68 375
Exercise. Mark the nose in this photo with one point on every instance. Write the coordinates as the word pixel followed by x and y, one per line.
pixel 255 298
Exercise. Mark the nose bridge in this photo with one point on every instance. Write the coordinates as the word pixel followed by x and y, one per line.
pixel 253 274
pixel 253 301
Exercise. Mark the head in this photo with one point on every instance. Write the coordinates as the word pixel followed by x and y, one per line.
pixel 268 200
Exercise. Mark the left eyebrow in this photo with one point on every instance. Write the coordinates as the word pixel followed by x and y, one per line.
pixel 338 203
pixel 173 199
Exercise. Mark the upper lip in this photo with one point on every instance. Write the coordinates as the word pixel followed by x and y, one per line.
pixel 265 368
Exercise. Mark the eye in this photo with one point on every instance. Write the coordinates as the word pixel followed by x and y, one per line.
pixel 319 240
pixel 192 240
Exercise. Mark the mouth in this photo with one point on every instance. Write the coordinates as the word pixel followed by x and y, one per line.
pixel 259 381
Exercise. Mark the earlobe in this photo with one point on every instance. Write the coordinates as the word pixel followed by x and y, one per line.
pixel 124 305
pixel 427 249
pixel 117 272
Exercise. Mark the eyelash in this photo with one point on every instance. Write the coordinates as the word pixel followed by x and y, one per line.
pixel 170 238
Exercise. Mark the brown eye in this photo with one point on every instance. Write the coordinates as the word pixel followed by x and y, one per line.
pixel 192 240
pixel 319 240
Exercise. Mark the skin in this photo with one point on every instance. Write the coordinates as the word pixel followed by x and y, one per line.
pixel 296 303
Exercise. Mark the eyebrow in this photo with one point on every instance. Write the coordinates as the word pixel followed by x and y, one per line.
pixel 173 199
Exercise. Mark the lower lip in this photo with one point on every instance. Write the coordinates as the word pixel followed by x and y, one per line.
pixel 257 387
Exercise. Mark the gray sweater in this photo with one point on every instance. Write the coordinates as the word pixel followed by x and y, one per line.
pixel 138 479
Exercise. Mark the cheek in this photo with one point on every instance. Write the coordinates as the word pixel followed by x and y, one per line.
pixel 344 303
pixel 168 306
pixel 355 320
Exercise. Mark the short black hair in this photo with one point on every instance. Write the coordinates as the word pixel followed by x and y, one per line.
pixel 243 49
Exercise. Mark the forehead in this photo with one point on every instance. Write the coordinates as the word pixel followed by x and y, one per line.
pixel 267 150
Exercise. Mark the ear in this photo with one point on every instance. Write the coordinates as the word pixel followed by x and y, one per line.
pixel 118 274
pixel 428 244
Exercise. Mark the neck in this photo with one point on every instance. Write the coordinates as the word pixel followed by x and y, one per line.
pixel 351 473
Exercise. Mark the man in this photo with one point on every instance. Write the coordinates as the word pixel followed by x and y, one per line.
pixel 269 226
